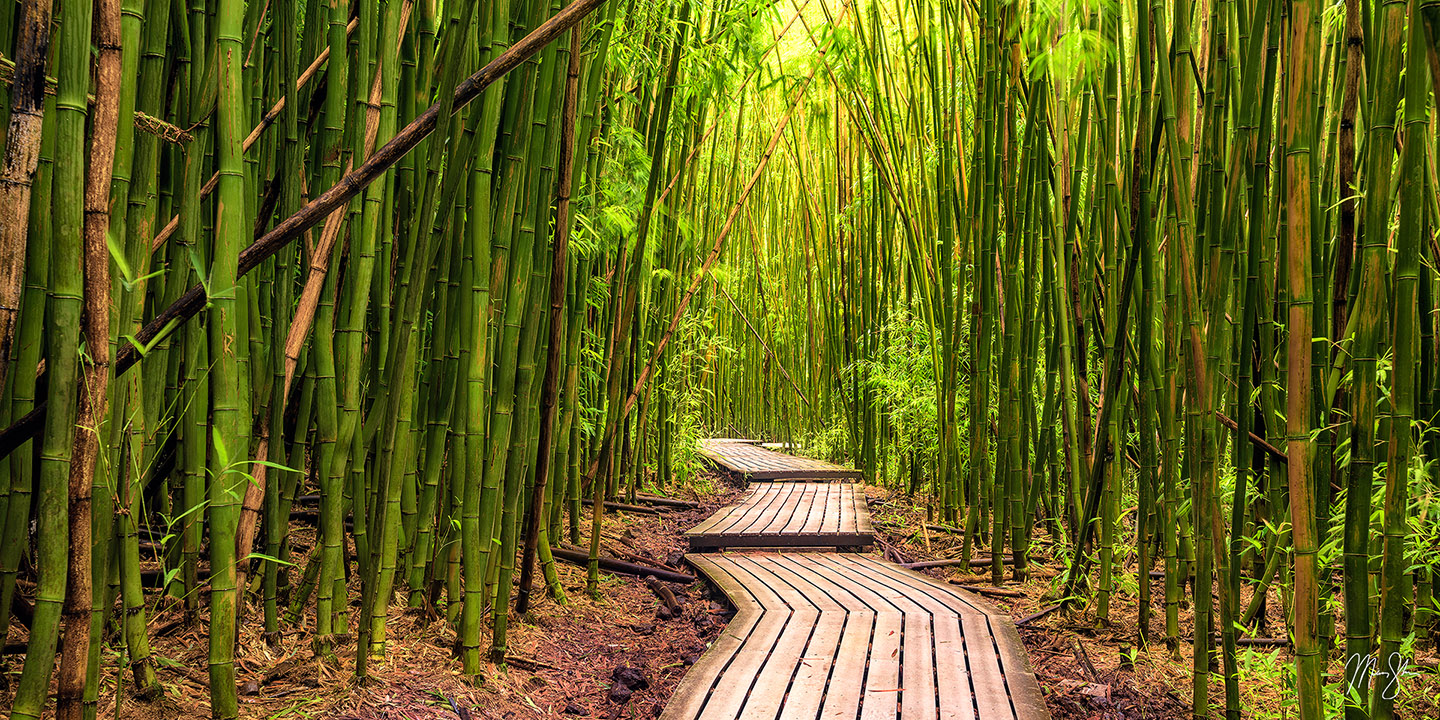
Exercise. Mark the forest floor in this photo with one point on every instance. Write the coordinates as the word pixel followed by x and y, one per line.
pixel 562 659
pixel 1090 670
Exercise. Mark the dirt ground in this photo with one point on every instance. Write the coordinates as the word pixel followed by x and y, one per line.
pixel 1092 671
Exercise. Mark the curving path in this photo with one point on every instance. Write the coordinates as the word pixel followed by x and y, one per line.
pixel 841 636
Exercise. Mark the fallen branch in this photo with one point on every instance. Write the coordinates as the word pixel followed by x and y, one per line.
pixel 1084 659
pixel 611 505
pixel 1262 642
pixel 635 557
pixel 528 664
pixel 958 562
pixel 667 598
pixel 892 553
pixel 580 558
pixel 997 592
pixel 668 502
pixel 1032 617
pixel 926 564
pixel 987 562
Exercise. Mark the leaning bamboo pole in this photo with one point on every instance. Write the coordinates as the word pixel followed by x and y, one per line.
pixel 347 187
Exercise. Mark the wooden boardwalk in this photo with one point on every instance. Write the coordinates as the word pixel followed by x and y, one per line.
pixel 746 458
pixel 789 514
pixel 824 635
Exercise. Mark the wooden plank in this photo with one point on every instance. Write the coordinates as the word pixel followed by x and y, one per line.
pixel 795 522
pixel 862 511
pixel 824 505
pixel 992 696
pixel 815 518
pixel 733 686
pixel 961 601
pixel 848 637
pixel 847 677
pixel 806 474
pixel 917 669
pixel 989 669
pixel 761 464
pixel 1025 692
pixel 880 700
pixel 808 687
pixel 768 502
pixel 726 517
pixel 990 653
pixel 843 510
pixel 705 526
pixel 931 637
pixel 694 689
pixel 773 680
pixel 783 515
pixel 955 699
pixel 778 542
pixel 913 644
pixel 730 516
pixel 798 498
pixel 708 523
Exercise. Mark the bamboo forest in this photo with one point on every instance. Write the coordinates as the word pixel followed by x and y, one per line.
pixel 720 359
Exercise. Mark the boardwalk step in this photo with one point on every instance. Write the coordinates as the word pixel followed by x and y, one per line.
pixel 848 636
pixel 789 514
pixel 744 457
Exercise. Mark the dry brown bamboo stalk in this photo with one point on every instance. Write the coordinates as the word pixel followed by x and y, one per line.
pixel 95 376
pixel 22 157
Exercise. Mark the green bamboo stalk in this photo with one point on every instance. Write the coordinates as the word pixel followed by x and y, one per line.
pixel 1402 448
pixel 1370 302
pixel 229 401
pixel 62 355
pixel 535 523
